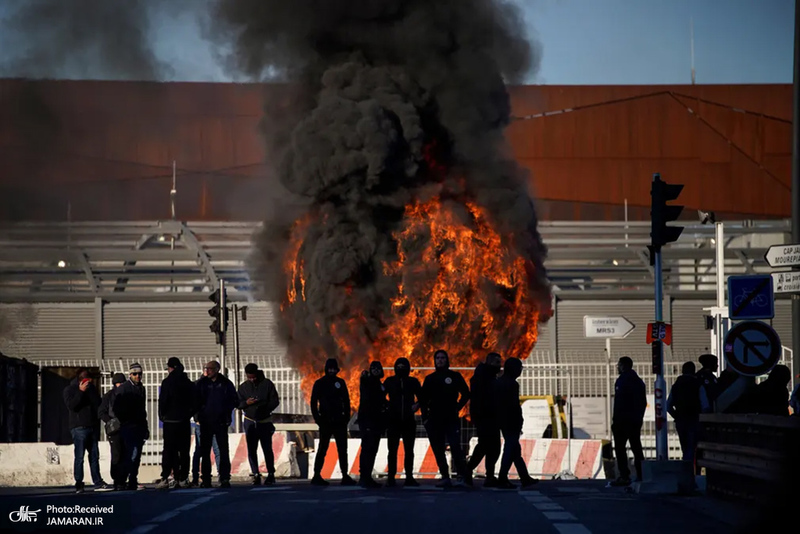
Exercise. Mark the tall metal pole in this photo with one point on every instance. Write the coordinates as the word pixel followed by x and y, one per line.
pixel 796 181
pixel 608 387
pixel 721 317
pixel 658 364
pixel 235 317
pixel 222 308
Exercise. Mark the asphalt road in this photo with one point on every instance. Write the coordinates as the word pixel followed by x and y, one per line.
pixel 566 507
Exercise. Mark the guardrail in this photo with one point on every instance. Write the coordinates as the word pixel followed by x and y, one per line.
pixel 747 456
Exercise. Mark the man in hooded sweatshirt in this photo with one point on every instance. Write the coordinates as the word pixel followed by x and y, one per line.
pixel 371 420
pixel 708 380
pixel 630 403
pixel 106 413
pixel 83 401
pixel 685 403
pixel 444 394
pixel 508 414
pixel 175 409
pixel 130 407
pixel 404 397
pixel 482 413
pixel 330 406
pixel 216 399
pixel 258 398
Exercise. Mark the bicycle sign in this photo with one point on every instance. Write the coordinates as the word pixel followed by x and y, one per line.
pixel 750 297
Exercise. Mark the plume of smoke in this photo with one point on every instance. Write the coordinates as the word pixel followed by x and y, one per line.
pixel 376 84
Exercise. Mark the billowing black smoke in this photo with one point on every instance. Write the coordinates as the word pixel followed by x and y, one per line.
pixel 379 96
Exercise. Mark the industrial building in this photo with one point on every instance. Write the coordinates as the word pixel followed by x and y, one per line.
pixel 94 269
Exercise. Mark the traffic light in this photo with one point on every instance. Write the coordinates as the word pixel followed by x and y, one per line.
pixel 661 213
pixel 220 314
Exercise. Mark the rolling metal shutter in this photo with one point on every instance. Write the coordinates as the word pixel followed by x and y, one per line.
pixel 573 347
pixel 138 331
pixel 690 338
pixel 63 333
pixel 782 323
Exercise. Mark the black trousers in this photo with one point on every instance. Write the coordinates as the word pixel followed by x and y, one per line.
pixel 407 430
pixel 488 446
pixel 370 441
pixel 256 433
pixel 512 454
pixel 339 433
pixel 625 432
pixel 175 455
pixel 447 431
pixel 117 470
pixel 207 434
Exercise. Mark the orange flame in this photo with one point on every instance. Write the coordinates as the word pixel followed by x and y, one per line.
pixel 460 287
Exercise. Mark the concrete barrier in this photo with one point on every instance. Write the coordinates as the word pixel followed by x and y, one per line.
pixel 48 464
pixel 545 458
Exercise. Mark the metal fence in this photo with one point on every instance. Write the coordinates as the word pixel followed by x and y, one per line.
pixel 573 380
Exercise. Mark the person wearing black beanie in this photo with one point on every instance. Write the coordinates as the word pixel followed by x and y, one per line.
pixel 330 406
pixel 258 398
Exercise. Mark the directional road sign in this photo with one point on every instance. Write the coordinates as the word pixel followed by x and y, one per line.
pixel 607 327
pixel 788 282
pixel 750 297
pixel 752 348
pixel 783 255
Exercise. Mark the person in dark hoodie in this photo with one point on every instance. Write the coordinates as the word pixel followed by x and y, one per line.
pixel 258 398
pixel 107 416
pixel 175 410
pixel 83 401
pixel 130 407
pixel 371 420
pixel 444 394
pixel 630 403
pixel 508 414
pixel 686 401
pixel 770 397
pixel 482 413
pixel 708 379
pixel 404 397
pixel 330 406
pixel 216 398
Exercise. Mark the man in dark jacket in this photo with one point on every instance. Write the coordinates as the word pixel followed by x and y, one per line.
pixel 258 398
pixel 106 413
pixel 508 414
pixel 708 380
pixel 83 400
pixel 130 407
pixel 371 420
pixel 444 394
pixel 481 411
pixel 196 456
pixel 175 409
pixel 630 403
pixel 770 397
pixel 330 406
pixel 216 400
pixel 404 396
pixel 684 404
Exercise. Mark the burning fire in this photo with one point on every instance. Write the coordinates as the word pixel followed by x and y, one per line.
pixel 460 287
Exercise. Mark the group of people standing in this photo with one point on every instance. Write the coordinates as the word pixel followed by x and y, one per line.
pixel 208 402
pixel 391 406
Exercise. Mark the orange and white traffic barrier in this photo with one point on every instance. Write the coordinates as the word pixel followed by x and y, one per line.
pixel 546 458
pixel 283 450
pixel 424 461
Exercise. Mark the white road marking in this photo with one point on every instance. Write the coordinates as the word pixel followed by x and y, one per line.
pixel 270 488
pixel 550 506
pixel 189 506
pixel 142 529
pixel 571 528
pixel 578 490
pixel 166 516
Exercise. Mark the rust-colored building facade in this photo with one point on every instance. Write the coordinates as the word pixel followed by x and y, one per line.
pixel 98 150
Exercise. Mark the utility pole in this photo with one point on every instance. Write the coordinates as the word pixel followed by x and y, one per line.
pixel 796 182
pixel 691 39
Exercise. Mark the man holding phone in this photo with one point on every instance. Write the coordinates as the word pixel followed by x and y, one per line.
pixel 258 398
pixel 83 400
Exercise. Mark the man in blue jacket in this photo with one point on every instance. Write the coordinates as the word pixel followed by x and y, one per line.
pixel 83 401
pixel 216 400
pixel 630 403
